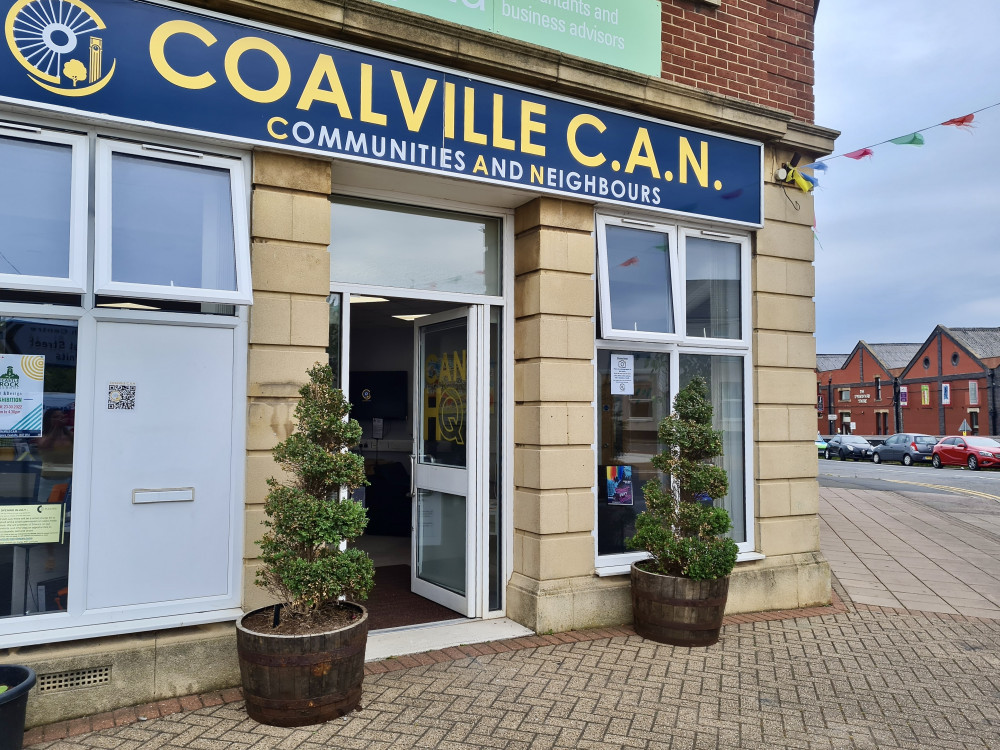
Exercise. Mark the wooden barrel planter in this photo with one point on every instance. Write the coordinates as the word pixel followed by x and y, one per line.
pixel 295 680
pixel 676 610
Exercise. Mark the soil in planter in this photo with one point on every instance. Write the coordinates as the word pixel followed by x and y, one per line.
pixel 327 618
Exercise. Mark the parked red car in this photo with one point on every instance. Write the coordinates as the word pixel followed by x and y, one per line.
pixel 974 452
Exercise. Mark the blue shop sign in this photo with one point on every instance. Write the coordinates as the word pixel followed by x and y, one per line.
pixel 160 65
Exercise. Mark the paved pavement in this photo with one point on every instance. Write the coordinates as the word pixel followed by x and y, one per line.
pixel 855 675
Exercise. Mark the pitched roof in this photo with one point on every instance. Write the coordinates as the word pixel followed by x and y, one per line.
pixel 983 342
pixel 894 355
pixel 826 362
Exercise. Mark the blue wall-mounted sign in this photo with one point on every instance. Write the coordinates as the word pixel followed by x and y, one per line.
pixel 171 68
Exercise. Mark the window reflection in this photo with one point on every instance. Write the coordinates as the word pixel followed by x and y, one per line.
pixel 35 208
pixel 172 224
pixel 713 288
pixel 639 280
pixel 627 442
pixel 37 409
pixel 414 248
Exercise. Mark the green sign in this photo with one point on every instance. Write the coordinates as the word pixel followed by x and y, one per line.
pixel 624 33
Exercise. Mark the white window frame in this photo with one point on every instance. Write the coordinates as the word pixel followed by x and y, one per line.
pixel 973 393
pixel 676 345
pixel 76 279
pixel 103 283
pixel 604 284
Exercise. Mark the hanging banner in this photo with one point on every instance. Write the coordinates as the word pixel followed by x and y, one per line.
pixel 22 388
pixel 160 66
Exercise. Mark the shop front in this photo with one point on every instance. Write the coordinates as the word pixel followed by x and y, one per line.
pixel 511 278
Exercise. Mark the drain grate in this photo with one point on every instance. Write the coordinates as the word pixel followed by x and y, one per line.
pixel 76 678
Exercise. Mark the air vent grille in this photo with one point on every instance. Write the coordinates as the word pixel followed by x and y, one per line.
pixel 77 678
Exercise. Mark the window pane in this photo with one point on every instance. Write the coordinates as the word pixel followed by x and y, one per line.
pixel 724 376
pixel 639 280
pixel 713 288
pixel 35 208
pixel 334 348
pixel 444 406
pixel 414 248
pixel 38 387
pixel 627 442
pixel 171 224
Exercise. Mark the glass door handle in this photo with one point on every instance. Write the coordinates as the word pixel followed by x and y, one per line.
pixel 413 475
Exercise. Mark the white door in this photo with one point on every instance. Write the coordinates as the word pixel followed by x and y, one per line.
pixel 161 508
pixel 444 548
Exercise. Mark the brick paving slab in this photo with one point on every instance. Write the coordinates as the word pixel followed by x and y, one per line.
pixel 853 676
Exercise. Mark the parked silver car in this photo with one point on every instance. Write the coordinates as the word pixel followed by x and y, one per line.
pixel 906 447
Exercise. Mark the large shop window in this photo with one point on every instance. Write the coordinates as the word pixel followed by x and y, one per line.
pixel 37 410
pixel 658 334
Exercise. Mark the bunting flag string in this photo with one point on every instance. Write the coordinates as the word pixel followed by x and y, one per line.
pixel 916 138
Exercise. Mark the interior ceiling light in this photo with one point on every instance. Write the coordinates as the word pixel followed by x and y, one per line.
pixel 357 299
pixel 411 317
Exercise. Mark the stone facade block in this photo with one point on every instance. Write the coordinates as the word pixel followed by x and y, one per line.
pixel 553 424
pixel 261 466
pixel 554 250
pixel 268 423
pixel 553 380
pixel 788 536
pixel 554 336
pixel 784 276
pixel 553 511
pixel 291 217
pixel 292 172
pixel 554 212
pixel 555 293
pixel 271 319
pixel 554 468
pixel 784 313
pixel 310 322
pixel 552 556
pixel 786 460
pixel 778 209
pixel 280 267
pixel 280 371
pixel 802 350
pixel 781 240
pixel 784 386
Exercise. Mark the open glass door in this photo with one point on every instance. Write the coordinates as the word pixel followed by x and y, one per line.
pixel 444 466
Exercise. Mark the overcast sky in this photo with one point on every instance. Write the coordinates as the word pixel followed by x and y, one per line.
pixel 910 237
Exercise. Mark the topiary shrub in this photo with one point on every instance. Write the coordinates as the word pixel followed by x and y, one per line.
pixel 307 523
pixel 681 530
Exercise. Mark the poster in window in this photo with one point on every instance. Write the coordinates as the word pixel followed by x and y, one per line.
pixel 925 395
pixel 903 395
pixel 619 485
pixel 623 374
pixel 946 393
pixel 22 388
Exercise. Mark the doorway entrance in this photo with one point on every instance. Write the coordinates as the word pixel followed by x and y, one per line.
pixel 415 378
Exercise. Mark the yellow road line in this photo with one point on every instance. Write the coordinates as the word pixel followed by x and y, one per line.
pixel 947 489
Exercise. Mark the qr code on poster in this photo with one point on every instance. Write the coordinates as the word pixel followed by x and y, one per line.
pixel 121 396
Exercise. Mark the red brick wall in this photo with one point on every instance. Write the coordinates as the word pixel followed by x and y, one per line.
pixel 757 50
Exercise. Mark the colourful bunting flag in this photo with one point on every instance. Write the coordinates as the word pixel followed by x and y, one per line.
pixel 809 178
pixel 961 122
pixel 861 153
pixel 913 139
pixel 816 166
